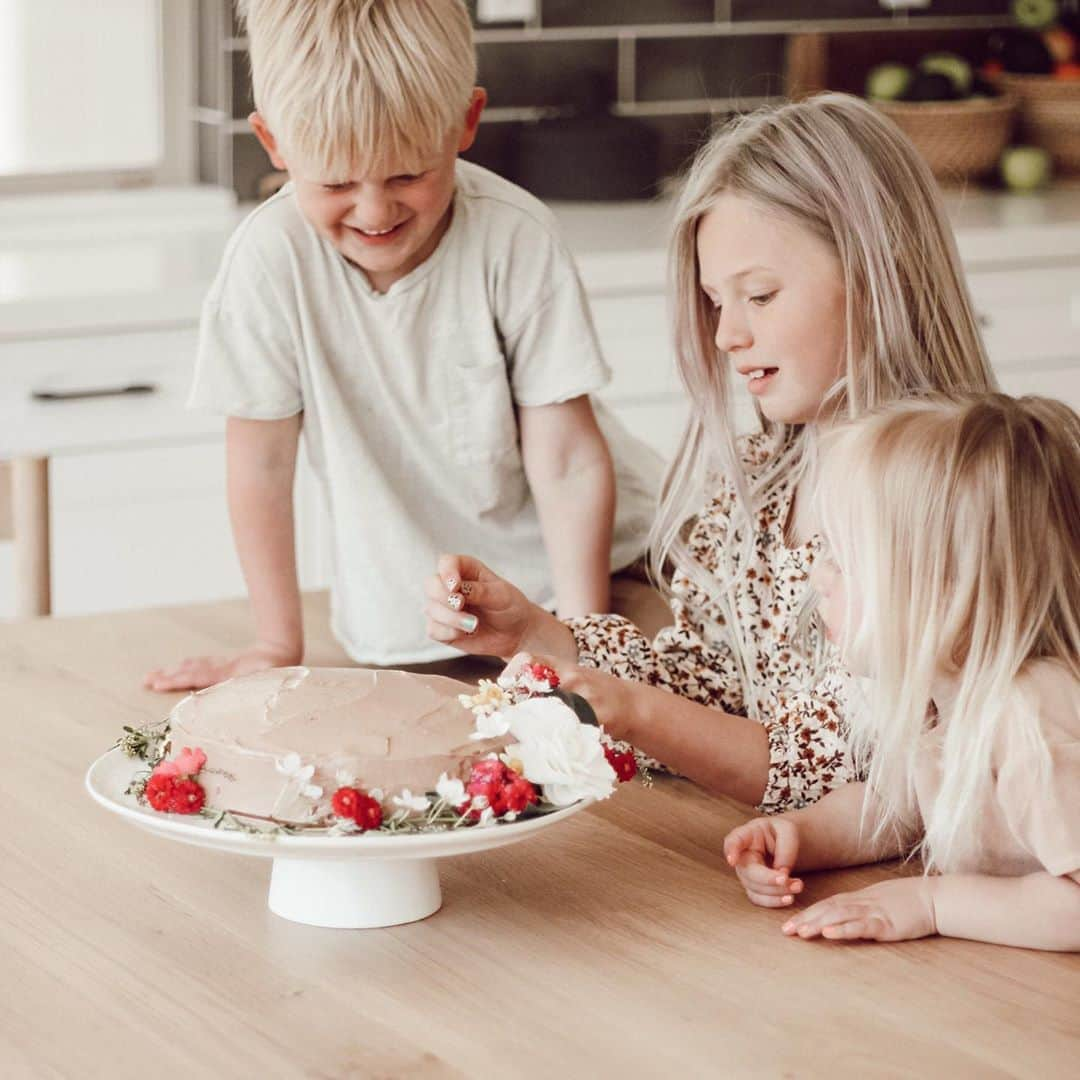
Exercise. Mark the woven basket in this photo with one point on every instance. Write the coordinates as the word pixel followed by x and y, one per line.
pixel 958 139
pixel 1049 115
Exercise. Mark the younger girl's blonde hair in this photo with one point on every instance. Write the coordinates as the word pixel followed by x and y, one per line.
pixel 832 165
pixel 376 84
pixel 956 525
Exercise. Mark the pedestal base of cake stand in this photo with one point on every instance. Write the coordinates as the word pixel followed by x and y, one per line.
pixel 354 894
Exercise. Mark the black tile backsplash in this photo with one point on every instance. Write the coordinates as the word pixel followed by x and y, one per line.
pixel 709 67
pixel 546 73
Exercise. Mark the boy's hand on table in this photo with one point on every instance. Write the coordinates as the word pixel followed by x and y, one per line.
pixel 199 672
pixel 472 608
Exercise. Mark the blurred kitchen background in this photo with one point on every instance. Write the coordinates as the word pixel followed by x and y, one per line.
pixel 126 160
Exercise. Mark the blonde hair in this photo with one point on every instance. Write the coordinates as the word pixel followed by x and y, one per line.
pixel 956 523
pixel 382 83
pixel 835 166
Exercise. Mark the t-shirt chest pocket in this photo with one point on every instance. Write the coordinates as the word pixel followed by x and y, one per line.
pixel 483 424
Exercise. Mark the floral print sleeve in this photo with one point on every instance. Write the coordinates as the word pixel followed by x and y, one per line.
pixel 695 657
pixel 678 660
pixel 808 745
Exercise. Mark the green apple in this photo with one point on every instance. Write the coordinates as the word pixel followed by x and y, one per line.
pixel 888 82
pixel 1025 168
pixel 953 67
pixel 1035 14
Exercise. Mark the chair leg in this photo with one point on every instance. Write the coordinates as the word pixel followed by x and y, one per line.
pixel 30 515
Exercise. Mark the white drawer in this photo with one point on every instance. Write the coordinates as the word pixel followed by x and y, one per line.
pixel 1029 315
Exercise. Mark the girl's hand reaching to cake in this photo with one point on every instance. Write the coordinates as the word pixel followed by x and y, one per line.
pixel 617 703
pixel 199 672
pixel 475 610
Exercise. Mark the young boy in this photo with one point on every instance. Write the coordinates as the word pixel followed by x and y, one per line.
pixel 419 319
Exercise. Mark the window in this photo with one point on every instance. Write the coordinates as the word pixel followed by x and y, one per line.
pixel 95 95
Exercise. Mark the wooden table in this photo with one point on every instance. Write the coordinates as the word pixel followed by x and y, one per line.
pixel 618 944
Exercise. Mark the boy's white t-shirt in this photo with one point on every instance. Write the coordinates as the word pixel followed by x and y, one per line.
pixel 409 396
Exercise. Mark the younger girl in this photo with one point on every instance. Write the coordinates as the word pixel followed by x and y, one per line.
pixel 955 529
pixel 812 264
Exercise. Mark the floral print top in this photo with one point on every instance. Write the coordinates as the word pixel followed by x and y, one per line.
pixel 694 658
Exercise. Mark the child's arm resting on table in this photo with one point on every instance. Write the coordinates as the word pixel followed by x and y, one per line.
pixel 261 465
pixel 1037 911
pixel 828 834
pixel 572 478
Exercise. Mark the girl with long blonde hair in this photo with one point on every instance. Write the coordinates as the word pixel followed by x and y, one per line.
pixel 953 585
pixel 812 263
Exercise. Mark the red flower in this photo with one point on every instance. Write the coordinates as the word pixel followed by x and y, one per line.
pixel 358 806
pixel 368 813
pixel 623 762
pixel 519 793
pixel 174 794
pixel 505 790
pixel 488 771
pixel 345 802
pixel 157 791
pixel 186 797
pixel 544 673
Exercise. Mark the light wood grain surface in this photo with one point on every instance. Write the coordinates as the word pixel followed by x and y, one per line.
pixel 618 944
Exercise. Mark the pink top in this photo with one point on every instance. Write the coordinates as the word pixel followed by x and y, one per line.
pixel 1027 827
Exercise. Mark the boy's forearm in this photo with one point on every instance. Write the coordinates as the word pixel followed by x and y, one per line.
pixel 832 833
pixel 577 510
pixel 1038 911
pixel 260 489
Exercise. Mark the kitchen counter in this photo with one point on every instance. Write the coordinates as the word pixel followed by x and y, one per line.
pixel 110 261
pixel 616 944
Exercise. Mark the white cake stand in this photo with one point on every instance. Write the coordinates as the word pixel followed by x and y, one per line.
pixel 346 882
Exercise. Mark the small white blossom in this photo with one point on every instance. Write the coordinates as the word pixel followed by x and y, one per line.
pixel 479 802
pixel 490 725
pixel 299 774
pixel 408 801
pixel 451 790
pixel 343 827
pixel 487 817
pixel 344 779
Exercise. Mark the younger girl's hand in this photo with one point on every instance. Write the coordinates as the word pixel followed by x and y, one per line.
pixel 475 610
pixel 888 911
pixel 763 853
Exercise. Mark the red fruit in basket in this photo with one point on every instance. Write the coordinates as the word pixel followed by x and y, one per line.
pixel 1060 43
pixel 1067 71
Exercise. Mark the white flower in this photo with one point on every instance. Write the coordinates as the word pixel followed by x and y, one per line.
pixel 559 753
pixel 344 827
pixel 344 779
pixel 487 817
pixel 490 725
pixel 452 791
pixel 408 801
pixel 299 774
